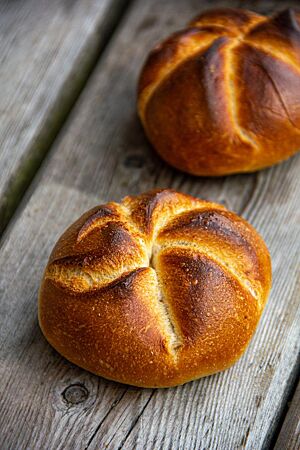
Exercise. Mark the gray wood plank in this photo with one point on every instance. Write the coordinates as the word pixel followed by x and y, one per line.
pixel 289 436
pixel 47 50
pixel 102 154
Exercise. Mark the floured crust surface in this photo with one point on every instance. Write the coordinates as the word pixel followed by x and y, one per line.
pixel 155 291
pixel 223 95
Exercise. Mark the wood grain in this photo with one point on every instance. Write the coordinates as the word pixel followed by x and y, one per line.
pixel 289 437
pixel 102 154
pixel 47 50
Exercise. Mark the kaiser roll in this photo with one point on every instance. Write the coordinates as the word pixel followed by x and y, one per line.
pixel 223 95
pixel 155 291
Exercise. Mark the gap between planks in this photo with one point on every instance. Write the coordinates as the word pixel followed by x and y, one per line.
pixel 28 154
pixel 287 435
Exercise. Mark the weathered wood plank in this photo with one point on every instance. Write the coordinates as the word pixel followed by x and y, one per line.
pixel 289 436
pixel 102 154
pixel 47 50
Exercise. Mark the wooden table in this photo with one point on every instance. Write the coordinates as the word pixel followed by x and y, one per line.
pixel 70 139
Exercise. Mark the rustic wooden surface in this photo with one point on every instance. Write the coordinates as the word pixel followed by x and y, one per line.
pixel 47 49
pixel 289 437
pixel 100 154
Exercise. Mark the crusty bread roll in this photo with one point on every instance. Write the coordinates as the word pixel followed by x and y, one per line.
pixel 158 290
pixel 223 95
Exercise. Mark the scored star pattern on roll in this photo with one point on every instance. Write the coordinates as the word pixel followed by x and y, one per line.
pixel 223 95
pixel 170 267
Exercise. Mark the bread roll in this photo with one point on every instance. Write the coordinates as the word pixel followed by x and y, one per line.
pixel 223 95
pixel 158 290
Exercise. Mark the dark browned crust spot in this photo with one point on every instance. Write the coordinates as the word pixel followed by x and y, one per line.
pixel 101 212
pixel 120 286
pixel 288 20
pixel 216 221
pixel 146 204
pixel 282 29
pixel 201 292
pixel 125 282
pixel 111 238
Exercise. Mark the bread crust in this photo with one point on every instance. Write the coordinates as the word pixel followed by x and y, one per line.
pixel 155 291
pixel 223 95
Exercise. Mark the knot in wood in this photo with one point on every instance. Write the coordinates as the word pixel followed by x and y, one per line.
pixel 75 394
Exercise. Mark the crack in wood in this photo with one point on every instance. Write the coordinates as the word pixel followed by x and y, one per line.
pixel 42 142
pixel 134 423
pixel 114 404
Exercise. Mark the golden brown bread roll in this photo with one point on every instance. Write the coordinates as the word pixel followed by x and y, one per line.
pixel 158 290
pixel 223 95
